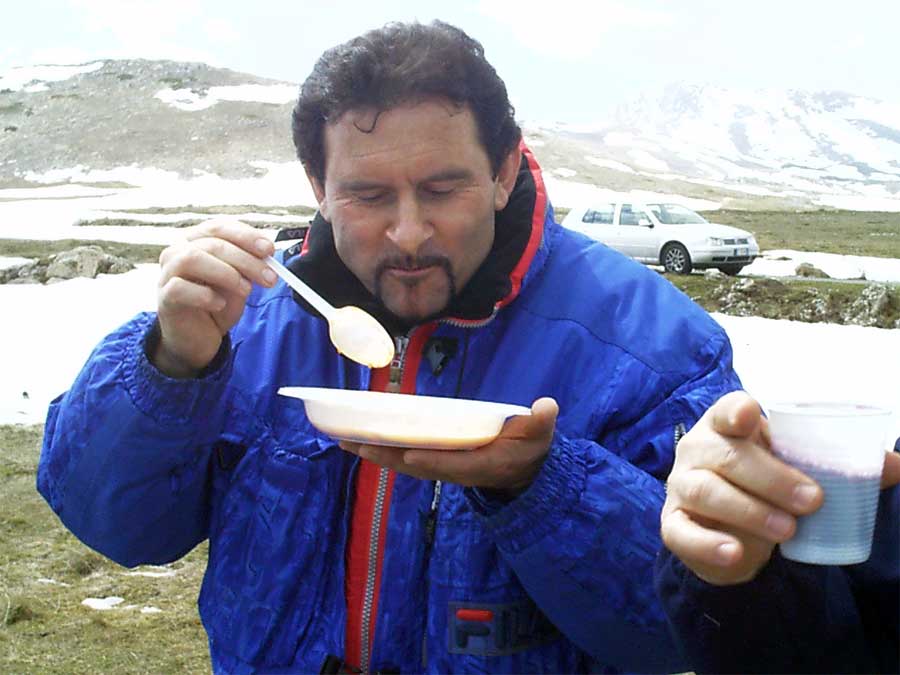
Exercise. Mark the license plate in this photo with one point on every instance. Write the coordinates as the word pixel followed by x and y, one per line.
pixel 742 251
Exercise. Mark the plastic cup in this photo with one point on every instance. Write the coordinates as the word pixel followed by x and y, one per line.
pixel 841 446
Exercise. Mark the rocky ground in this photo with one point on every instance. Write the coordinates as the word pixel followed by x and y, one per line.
pixel 82 261
pixel 858 304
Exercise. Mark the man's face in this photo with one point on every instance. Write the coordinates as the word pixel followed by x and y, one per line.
pixel 411 197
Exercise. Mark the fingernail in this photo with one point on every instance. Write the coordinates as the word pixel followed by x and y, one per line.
pixel 726 553
pixel 263 245
pixel 804 495
pixel 269 277
pixel 779 524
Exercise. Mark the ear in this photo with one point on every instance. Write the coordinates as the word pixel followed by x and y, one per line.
pixel 506 178
pixel 319 192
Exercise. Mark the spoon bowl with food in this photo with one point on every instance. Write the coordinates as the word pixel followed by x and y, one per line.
pixel 354 332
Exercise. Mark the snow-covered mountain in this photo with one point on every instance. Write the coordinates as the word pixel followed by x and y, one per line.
pixel 748 149
pixel 830 147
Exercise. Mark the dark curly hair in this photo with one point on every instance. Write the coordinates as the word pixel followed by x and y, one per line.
pixel 397 64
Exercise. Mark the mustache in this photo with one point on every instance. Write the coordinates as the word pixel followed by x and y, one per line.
pixel 410 262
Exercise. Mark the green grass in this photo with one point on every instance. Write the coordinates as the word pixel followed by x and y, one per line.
pixel 34 248
pixel 44 628
pixel 845 232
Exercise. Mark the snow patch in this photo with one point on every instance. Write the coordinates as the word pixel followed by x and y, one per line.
pixel 131 175
pixel 782 361
pixel 158 573
pixel 6 263
pixel 572 194
pixel 52 582
pixel 565 173
pixel 610 164
pixel 34 359
pixel 859 203
pixel 186 99
pixel 834 265
pixel 644 158
pixel 149 609
pixel 19 78
pixel 103 604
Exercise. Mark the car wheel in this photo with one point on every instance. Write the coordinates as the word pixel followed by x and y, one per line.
pixel 731 270
pixel 675 258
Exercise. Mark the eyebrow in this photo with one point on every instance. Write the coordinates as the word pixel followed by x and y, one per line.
pixel 449 175
pixel 363 185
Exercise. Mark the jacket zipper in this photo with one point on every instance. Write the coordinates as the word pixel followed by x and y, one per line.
pixel 430 526
pixel 396 375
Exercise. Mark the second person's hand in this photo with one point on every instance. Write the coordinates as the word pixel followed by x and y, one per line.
pixel 729 500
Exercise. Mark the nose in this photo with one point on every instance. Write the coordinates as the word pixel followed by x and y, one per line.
pixel 410 228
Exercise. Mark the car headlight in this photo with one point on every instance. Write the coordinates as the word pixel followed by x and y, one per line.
pixel 716 241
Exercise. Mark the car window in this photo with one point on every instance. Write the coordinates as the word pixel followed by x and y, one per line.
pixel 675 214
pixel 631 215
pixel 602 215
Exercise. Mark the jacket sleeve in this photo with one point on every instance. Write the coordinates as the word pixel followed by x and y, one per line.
pixel 584 536
pixel 126 450
pixel 793 617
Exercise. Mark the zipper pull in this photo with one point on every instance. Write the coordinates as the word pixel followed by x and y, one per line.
pixel 401 343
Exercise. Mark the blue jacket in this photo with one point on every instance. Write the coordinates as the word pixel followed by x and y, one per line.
pixel 794 618
pixel 142 468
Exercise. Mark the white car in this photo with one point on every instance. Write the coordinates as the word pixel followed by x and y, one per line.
pixel 665 234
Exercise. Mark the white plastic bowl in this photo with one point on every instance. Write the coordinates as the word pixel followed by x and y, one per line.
pixel 401 420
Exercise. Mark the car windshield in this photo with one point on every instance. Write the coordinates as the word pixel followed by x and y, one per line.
pixel 673 214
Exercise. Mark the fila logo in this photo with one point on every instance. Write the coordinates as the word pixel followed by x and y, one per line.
pixel 497 629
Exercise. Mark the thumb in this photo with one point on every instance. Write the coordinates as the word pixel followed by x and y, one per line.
pixel 890 475
pixel 736 415
pixel 540 422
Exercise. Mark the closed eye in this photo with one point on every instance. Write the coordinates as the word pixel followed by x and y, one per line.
pixel 439 190
pixel 370 197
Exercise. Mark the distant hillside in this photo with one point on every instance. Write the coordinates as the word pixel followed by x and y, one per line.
pixel 739 149
pixel 147 113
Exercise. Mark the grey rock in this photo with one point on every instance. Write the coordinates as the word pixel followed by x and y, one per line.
pixel 871 307
pixel 118 265
pixel 83 261
pixel 808 270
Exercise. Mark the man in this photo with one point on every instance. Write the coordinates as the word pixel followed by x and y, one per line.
pixel 533 553
pixel 736 605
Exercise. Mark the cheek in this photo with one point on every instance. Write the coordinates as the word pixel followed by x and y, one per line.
pixel 358 251
pixel 474 247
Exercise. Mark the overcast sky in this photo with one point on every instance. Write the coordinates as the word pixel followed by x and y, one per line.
pixel 563 60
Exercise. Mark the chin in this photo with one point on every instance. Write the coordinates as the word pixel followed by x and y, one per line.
pixel 416 313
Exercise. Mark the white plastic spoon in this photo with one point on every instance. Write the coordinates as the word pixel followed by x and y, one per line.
pixel 354 332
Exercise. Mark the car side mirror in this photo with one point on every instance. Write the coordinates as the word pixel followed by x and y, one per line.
pixel 644 222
